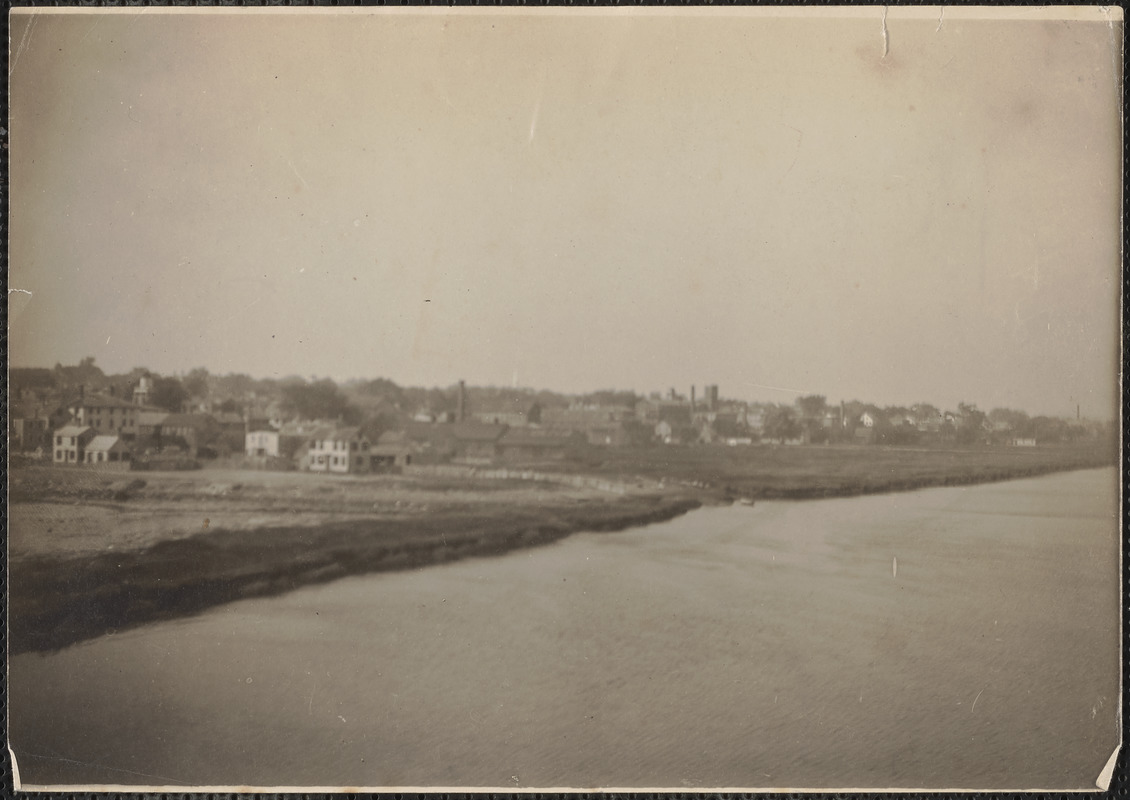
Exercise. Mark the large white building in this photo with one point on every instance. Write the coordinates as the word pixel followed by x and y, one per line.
pixel 342 450
pixel 261 443
pixel 105 414
pixel 70 443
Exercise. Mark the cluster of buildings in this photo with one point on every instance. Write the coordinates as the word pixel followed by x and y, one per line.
pixel 106 429
pixel 115 431
pixel 516 431
pixel 426 438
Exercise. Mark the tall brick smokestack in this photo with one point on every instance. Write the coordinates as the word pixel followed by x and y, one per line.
pixel 692 398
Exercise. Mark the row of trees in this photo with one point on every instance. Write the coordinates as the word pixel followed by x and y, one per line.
pixel 807 418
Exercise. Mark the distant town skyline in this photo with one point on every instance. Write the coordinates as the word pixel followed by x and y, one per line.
pixel 888 206
pixel 683 391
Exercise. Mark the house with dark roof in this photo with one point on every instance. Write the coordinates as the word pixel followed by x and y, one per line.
pixel 600 424
pixel 149 422
pixel 470 442
pixel 476 442
pixel 433 443
pixel 28 433
pixel 160 431
pixel 393 451
pixel 538 444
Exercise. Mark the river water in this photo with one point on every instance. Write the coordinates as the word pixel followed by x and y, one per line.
pixel 955 637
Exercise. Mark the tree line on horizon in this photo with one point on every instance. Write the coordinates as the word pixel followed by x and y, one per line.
pixel 379 404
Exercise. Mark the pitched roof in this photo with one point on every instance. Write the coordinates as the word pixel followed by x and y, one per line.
pixel 440 436
pixel 72 430
pixel 395 449
pixel 533 437
pixel 151 417
pixel 100 401
pixel 186 421
pixel 477 431
pixel 304 428
pixel 315 432
pixel 106 442
pixel 346 434
pixel 334 434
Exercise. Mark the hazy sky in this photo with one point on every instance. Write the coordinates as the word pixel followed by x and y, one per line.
pixel 576 200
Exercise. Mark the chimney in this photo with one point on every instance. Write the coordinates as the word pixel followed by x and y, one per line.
pixel 461 407
pixel 712 396
pixel 692 398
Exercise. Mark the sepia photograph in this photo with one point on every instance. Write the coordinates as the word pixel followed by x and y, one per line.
pixel 565 399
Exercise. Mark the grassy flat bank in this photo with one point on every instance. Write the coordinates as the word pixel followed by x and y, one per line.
pixel 799 473
pixel 90 555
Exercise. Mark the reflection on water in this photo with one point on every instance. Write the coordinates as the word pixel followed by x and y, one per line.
pixel 772 646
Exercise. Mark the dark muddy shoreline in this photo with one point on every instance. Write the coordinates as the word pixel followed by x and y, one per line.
pixel 58 598
pixel 57 601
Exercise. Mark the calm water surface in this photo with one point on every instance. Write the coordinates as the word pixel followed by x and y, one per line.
pixel 959 637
